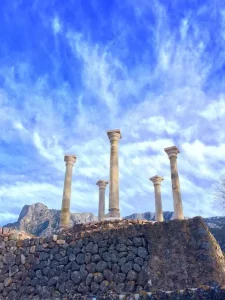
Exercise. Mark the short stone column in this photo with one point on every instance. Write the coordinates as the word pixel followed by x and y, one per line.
pixel 177 202
pixel 158 202
pixel 101 205
pixel 65 210
pixel 114 210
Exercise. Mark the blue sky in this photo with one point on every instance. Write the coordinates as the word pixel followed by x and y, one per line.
pixel 74 69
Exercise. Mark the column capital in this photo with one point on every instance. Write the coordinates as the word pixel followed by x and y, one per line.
pixel 70 158
pixel 172 151
pixel 102 184
pixel 156 179
pixel 114 135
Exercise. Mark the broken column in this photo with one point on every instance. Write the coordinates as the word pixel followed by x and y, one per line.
pixel 177 202
pixel 65 210
pixel 158 202
pixel 114 210
pixel 101 206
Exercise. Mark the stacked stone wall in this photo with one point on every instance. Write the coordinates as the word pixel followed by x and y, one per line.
pixel 110 258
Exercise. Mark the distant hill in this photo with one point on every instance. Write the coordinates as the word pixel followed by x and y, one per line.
pixel 39 220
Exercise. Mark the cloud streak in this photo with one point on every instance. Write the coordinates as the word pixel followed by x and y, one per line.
pixel 149 70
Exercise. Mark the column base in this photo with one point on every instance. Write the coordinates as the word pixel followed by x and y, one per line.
pixel 113 216
pixel 61 227
pixel 114 212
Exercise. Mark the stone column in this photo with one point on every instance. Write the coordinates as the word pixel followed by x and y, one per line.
pixel 101 205
pixel 158 202
pixel 177 202
pixel 65 210
pixel 114 210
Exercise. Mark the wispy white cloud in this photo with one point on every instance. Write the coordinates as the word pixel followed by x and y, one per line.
pixel 157 96
pixel 214 110
pixel 56 25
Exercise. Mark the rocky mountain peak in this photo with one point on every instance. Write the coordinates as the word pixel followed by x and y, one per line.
pixel 39 220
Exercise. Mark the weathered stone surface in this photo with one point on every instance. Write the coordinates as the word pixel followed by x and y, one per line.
pixel 121 248
pixel 127 267
pixel 95 258
pixel 108 275
pixel 137 241
pixel 130 286
pixel 9 259
pixel 91 268
pixel 130 256
pixel 94 249
pixel 88 258
pixel 89 279
pixel 139 261
pixel 80 259
pixel 52 281
pixel 119 278
pixel 83 272
pixel 132 275
pixel 122 261
pixel 142 278
pixel 101 266
pixel 133 249
pixel 136 267
pixel 76 277
pixel 142 252
pixel 120 287
pixel 115 269
pixel 106 256
pixel 98 277
pixel 13 270
pixel 83 288
pixel 144 259
pixel 75 266
pixel 8 281
pixel 94 287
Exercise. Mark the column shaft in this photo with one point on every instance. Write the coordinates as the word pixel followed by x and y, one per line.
pixel 114 178
pixel 177 202
pixel 101 206
pixel 114 210
pixel 158 204
pixel 65 210
pixel 178 209
pixel 158 201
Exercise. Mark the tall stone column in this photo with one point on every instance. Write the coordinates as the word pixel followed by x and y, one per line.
pixel 101 206
pixel 158 202
pixel 177 202
pixel 65 210
pixel 114 210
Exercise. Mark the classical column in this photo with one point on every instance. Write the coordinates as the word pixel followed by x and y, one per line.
pixel 177 202
pixel 158 202
pixel 114 210
pixel 65 210
pixel 101 205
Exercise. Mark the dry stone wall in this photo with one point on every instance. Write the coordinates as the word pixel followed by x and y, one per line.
pixel 106 258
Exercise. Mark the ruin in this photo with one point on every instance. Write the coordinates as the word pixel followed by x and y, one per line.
pixel 113 256
pixel 158 202
pixel 114 210
pixel 111 259
pixel 101 206
pixel 65 210
pixel 177 202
